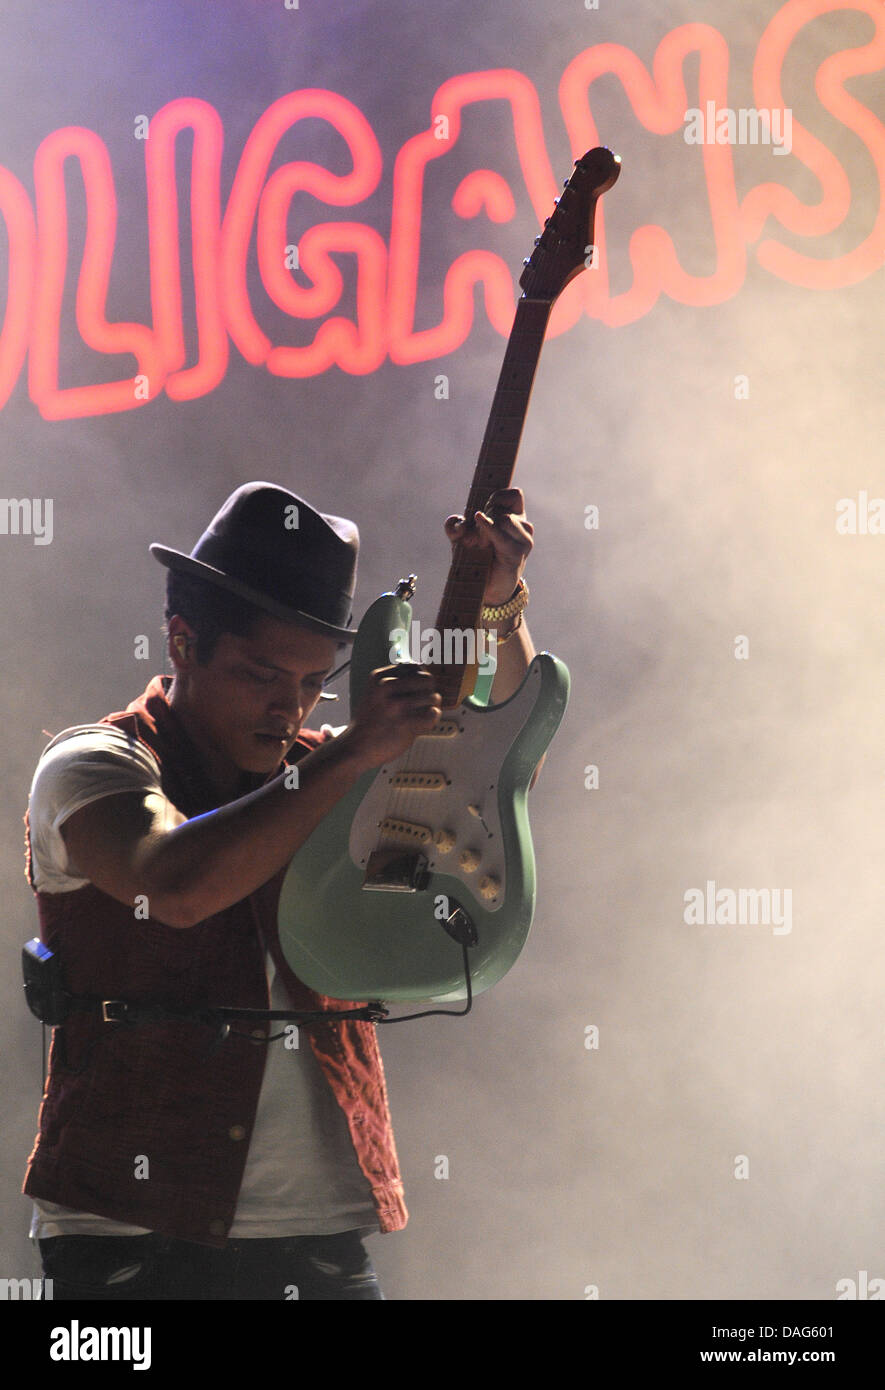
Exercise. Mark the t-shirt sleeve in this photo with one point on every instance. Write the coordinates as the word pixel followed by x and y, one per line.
pixel 78 767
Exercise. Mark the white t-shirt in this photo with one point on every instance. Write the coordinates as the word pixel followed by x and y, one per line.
pixel 302 1176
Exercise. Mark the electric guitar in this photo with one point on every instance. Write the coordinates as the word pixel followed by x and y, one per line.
pixel 432 853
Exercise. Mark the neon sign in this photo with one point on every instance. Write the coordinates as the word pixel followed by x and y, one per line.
pixel 387 274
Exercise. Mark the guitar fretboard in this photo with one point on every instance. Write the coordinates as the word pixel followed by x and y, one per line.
pixel 468 573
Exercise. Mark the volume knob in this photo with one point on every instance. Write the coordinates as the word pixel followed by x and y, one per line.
pixel 490 886
pixel 469 861
pixel 444 841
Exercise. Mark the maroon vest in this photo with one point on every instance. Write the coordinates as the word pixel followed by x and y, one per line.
pixel 169 1092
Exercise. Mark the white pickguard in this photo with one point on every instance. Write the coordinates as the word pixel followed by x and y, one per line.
pixel 470 760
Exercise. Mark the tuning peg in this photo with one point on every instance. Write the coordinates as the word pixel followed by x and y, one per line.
pixel 537 239
pixel 566 182
pixel 526 260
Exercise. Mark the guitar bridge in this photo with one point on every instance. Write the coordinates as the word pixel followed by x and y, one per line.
pixel 395 871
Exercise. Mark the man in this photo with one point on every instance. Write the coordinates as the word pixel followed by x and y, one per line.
pixel 174 1161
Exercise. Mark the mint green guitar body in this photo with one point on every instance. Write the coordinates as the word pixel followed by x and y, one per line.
pixel 447 822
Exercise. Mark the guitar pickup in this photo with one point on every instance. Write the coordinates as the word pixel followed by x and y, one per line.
pixel 446 728
pixel 406 831
pixel 393 871
pixel 419 781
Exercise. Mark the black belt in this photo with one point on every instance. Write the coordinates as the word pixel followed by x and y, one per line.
pixel 124 1011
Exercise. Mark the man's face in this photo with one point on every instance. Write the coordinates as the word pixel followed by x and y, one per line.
pixel 248 703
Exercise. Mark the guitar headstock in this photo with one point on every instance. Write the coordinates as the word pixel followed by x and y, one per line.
pixel 562 250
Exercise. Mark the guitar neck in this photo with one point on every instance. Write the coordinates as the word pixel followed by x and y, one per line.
pixel 468 572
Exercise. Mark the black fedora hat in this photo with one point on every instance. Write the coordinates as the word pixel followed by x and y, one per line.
pixel 269 546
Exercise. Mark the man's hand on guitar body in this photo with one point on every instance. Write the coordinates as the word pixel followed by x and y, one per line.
pixel 400 703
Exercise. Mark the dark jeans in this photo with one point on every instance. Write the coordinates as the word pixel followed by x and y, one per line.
pixel 157 1267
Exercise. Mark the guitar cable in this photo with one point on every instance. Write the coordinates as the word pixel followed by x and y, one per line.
pixel 442 1013
pixel 374 1012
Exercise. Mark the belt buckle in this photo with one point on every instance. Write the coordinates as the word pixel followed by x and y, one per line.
pixel 112 1004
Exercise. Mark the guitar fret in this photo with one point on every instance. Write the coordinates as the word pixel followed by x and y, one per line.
pixel 465 586
pixel 497 455
pixel 463 602
pixel 510 401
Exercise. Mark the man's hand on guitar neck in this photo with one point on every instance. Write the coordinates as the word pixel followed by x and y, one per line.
pixel 504 528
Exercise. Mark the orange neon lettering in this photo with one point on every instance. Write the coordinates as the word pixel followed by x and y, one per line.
pixel 22 236
pixel 52 238
pixel 337 339
pixel 163 226
pixel 483 188
pixel 786 236
pixel 660 103
pixel 770 199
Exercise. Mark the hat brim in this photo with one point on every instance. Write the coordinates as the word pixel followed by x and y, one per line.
pixel 177 560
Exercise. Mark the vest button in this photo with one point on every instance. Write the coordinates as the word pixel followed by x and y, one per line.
pixel 237 1132
pixel 217 1228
